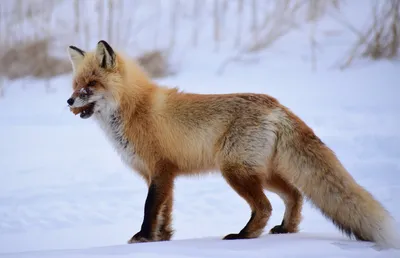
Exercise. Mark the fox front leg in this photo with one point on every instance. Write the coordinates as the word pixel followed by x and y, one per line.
pixel 160 190
pixel 165 231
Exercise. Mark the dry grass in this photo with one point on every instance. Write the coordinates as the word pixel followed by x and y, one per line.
pixel 317 9
pixel 287 15
pixel 155 63
pixel 29 56
pixel 381 39
pixel 31 59
pixel 277 24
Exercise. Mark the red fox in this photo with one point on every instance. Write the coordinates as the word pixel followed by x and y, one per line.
pixel 254 141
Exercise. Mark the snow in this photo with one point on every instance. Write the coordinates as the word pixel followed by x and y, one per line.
pixel 64 192
pixel 64 189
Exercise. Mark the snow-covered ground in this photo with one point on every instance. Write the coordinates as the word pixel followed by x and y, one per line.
pixel 63 187
pixel 65 193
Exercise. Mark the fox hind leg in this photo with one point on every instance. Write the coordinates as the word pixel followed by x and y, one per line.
pixel 247 183
pixel 293 200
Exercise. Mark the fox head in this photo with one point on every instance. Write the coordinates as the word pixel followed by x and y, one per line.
pixel 96 75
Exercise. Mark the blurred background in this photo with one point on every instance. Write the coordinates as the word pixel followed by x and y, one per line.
pixel 162 34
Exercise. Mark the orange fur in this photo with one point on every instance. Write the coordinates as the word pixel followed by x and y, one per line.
pixel 253 140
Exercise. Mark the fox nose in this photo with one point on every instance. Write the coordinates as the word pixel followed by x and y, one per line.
pixel 70 101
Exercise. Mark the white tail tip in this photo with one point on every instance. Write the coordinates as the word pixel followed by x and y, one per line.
pixel 387 236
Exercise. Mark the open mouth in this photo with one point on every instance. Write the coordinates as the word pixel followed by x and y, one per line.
pixel 85 111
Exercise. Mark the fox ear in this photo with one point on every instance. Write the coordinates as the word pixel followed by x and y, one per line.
pixel 105 55
pixel 76 56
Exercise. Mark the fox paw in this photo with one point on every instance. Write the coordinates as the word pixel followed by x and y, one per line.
pixel 234 236
pixel 165 235
pixel 139 238
pixel 278 229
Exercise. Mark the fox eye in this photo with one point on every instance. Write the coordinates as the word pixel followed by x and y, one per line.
pixel 83 93
pixel 91 84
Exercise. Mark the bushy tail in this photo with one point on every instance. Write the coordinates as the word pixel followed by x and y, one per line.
pixel 317 172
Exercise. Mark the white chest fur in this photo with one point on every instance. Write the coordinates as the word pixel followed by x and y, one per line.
pixel 110 121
